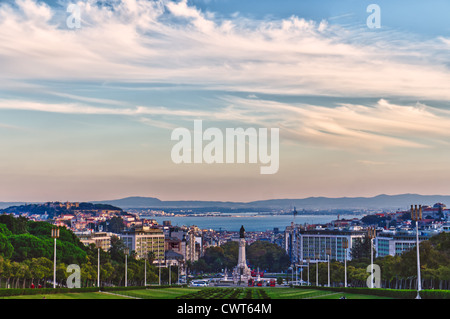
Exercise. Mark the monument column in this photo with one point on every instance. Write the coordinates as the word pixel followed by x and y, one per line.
pixel 242 271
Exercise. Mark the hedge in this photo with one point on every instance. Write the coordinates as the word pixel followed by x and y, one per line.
pixel 4 292
pixel 393 293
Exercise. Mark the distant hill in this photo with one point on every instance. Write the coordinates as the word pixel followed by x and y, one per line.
pixel 402 201
pixel 44 208
pixel 9 204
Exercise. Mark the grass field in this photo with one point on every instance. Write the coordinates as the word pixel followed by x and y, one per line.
pixel 292 293
pixel 204 293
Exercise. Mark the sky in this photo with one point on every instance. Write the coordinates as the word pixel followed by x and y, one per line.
pixel 87 113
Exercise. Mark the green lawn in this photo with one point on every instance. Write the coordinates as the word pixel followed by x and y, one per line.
pixel 163 293
pixel 84 295
pixel 295 293
pixel 172 293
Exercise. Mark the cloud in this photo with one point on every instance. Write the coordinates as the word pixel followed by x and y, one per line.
pixel 175 42
pixel 355 127
pixel 375 127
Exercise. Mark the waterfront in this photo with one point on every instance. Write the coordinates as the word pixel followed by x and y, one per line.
pixel 251 221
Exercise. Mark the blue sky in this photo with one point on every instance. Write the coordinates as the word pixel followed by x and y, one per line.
pixel 87 114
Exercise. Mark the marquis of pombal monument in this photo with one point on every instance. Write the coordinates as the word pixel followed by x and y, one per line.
pixel 241 271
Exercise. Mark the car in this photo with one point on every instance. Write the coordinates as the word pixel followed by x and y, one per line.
pixel 199 283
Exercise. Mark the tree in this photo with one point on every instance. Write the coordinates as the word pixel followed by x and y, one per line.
pixel 361 249
pixel 4 230
pixel 29 246
pixel 116 225
pixel 6 249
pixel 16 225
pixel 267 256
pixel 116 250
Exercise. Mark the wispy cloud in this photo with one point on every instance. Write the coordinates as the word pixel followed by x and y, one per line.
pixel 374 127
pixel 174 42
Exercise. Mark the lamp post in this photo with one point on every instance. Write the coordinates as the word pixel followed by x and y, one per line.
pixel 159 266
pixel 170 273
pixel 98 265
pixel 308 269
pixel 317 271
pixel 345 246
pixel 416 215
pixel 292 273
pixel 328 257
pixel 145 270
pixel 126 252
pixel 55 234
pixel 371 234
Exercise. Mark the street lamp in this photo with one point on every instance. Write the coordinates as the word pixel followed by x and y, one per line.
pixel 296 273
pixel 328 257
pixel 145 270
pixel 308 269
pixel 98 263
pixel 345 246
pixel 126 252
pixel 416 215
pixel 170 273
pixel 317 270
pixel 55 234
pixel 371 234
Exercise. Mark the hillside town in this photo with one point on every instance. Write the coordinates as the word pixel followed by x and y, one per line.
pixel 176 245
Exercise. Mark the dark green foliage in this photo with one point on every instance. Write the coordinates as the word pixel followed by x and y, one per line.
pixel 265 255
pixel 115 225
pixel 361 249
pixel 28 246
pixel 16 225
pixel 4 230
pixel 6 249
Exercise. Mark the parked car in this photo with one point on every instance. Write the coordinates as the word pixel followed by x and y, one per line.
pixel 199 283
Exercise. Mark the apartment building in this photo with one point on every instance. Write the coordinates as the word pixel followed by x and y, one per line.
pixel 316 244
pixel 99 239
pixel 394 243
pixel 144 240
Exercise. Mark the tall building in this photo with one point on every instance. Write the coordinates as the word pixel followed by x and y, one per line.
pixel 191 246
pixel 314 244
pixel 144 240
pixel 99 239
pixel 394 243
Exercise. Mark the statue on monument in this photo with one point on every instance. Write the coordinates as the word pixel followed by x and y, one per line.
pixel 242 232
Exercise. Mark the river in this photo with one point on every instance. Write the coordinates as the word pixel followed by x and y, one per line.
pixel 251 221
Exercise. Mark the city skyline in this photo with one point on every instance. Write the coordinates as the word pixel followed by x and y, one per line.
pixel 87 113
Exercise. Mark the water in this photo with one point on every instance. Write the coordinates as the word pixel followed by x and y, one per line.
pixel 251 221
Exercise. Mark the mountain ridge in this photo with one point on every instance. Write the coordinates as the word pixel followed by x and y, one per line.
pixel 381 201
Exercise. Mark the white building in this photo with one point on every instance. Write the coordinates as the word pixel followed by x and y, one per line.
pixel 318 243
pixel 99 239
pixel 394 243
pixel 144 240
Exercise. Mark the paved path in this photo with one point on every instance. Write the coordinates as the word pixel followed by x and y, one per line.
pixel 111 293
